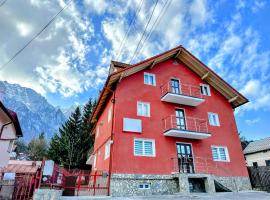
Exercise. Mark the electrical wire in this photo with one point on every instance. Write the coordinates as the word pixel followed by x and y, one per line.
pixel 156 23
pixel 128 31
pixel 145 28
pixel 3 2
pixel 35 36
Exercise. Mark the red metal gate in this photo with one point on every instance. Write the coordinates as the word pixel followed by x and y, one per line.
pixel 77 182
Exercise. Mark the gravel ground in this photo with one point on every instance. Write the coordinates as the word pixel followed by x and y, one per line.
pixel 217 196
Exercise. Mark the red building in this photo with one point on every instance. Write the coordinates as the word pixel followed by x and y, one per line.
pixel 166 125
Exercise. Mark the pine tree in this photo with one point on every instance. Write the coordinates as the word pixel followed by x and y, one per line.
pixel 70 146
pixel 86 126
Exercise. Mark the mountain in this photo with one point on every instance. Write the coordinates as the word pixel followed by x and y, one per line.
pixel 35 114
pixel 67 111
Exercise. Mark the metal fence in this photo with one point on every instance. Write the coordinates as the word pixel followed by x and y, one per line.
pixel 260 177
pixel 77 182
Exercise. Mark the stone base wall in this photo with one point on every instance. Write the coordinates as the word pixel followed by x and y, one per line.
pixel 235 183
pixel 128 184
pixel 47 194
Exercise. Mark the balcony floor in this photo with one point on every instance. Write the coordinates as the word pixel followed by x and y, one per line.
pixel 186 134
pixel 182 99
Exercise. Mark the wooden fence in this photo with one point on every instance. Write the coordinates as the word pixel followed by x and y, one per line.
pixel 260 177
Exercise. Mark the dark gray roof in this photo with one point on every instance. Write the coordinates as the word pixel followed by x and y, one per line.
pixel 258 145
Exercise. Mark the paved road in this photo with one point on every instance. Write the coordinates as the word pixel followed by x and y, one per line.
pixel 218 196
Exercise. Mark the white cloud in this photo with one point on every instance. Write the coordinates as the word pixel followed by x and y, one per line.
pixel 252 88
pixel 23 28
pixel 56 60
pixel 251 122
pixel 198 11
pixel 98 6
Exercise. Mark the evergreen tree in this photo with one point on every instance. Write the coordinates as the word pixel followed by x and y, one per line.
pixel 70 146
pixel 37 148
pixel 86 126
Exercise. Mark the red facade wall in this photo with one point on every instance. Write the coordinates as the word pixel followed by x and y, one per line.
pixel 132 89
pixel 105 130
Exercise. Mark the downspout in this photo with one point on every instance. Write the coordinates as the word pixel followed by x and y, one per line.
pixel 111 147
pixel 3 126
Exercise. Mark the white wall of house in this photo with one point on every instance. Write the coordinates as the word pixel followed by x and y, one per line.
pixel 7 138
pixel 258 157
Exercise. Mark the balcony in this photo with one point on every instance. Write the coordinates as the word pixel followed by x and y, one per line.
pixel 174 92
pixel 185 127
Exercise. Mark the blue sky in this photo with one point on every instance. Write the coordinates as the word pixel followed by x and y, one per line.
pixel 69 61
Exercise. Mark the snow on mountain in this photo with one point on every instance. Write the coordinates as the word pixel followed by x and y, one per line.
pixel 67 111
pixel 35 114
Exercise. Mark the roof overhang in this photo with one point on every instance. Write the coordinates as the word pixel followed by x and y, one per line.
pixel 233 96
pixel 13 118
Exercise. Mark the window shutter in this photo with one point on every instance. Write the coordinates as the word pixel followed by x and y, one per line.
pixel 215 153
pixel 148 148
pixel 138 147
pixel 222 154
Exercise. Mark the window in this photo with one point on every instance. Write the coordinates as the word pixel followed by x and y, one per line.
pixel 220 153
pixel 107 150
pixel 213 119
pixel 110 114
pixel 175 86
pixel 180 119
pixel 149 79
pixel 143 109
pixel 144 147
pixel 144 186
pixel 255 164
pixel 10 146
pixel 267 162
pixel 97 131
pixel 205 90
pixel 132 125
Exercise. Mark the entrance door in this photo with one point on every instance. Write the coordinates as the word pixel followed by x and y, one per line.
pixel 185 158
pixel 175 86
pixel 180 119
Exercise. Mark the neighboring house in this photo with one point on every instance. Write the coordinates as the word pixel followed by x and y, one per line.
pixel 257 153
pixel 10 130
pixel 166 125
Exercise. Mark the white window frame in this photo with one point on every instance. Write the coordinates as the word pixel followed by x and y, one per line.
pixel 143 150
pixel 210 114
pixel 142 106
pixel 208 89
pixel 226 153
pixel 110 114
pixel 107 150
pixel 149 74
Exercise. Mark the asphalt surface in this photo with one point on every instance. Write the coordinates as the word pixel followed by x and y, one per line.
pixel 217 196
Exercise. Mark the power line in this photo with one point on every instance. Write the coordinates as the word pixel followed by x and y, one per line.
pixel 3 2
pixel 157 21
pixel 35 36
pixel 145 28
pixel 128 31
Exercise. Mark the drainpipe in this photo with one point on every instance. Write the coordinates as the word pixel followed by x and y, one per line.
pixel 111 145
pixel 3 126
